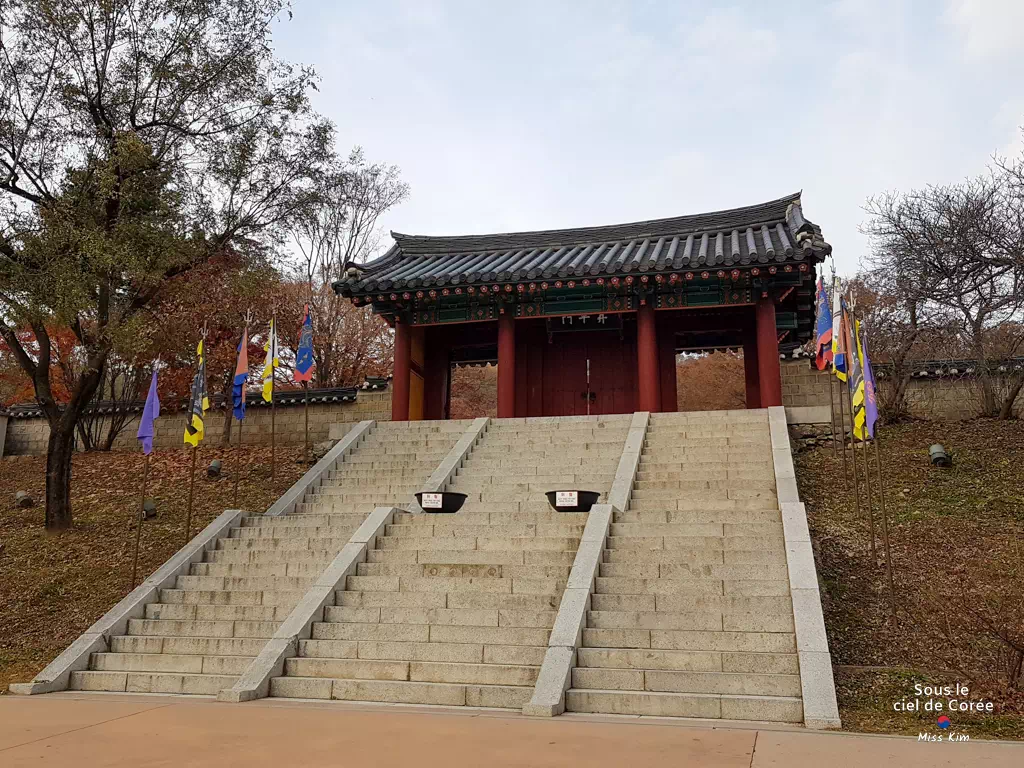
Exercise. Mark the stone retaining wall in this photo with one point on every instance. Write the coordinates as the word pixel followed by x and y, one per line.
pixel 934 399
pixel 805 394
pixel 28 436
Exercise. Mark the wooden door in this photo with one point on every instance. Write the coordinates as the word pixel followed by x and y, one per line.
pixel 612 373
pixel 566 378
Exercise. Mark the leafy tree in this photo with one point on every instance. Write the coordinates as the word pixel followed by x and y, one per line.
pixel 139 139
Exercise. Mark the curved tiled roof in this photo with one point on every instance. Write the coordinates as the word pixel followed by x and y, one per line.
pixel 772 232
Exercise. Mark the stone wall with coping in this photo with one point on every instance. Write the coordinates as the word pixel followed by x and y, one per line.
pixel 933 399
pixel 28 436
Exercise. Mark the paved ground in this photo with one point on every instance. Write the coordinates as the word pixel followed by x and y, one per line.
pixel 86 730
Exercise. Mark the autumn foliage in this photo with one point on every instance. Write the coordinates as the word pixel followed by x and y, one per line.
pixel 710 382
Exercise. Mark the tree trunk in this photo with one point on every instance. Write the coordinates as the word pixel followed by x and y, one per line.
pixel 59 452
pixel 1006 411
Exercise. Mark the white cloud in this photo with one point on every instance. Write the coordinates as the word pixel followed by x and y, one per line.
pixel 544 114
pixel 988 28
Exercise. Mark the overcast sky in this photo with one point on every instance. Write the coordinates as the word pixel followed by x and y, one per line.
pixel 535 115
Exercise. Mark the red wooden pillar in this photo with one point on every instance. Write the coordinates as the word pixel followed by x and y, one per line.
pixel 506 365
pixel 750 373
pixel 769 372
pixel 667 365
pixel 648 383
pixel 400 382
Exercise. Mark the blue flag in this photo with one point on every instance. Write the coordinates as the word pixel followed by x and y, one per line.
pixel 149 414
pixel 304 355
pixel 823 355
pixel 241 376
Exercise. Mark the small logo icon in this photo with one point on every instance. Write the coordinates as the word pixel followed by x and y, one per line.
pixel 944 722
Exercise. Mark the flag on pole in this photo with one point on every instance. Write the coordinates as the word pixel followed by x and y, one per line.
pixel 856 380
pixel 199 402
pixel 866 429
pixel 838 316
pixel 241 376
pixel 271 363
pixel 823 346
pixel 149 414
pixel 304 355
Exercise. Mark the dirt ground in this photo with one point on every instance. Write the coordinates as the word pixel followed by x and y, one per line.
pixel 958 570
pixel 54 586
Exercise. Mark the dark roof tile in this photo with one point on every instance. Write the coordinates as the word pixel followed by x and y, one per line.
pixel 775 231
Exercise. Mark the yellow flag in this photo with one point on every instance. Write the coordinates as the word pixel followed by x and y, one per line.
pixel 270 363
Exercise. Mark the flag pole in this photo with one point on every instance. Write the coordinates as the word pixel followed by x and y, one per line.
pixel 192 475
pixel 867 490
pixel 191 492
pixel 238 459
pixel 853 446
pixel 885 524
pixel 241 422
pixel 305 436
pixel 832 407
pixel 842 437
pixel 138 523
pixel 273 405
pixel 863 442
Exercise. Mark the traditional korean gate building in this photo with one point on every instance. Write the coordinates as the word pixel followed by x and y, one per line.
pixel 589 320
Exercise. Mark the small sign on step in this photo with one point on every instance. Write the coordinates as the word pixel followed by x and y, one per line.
pixel 567 499
pixel 431 500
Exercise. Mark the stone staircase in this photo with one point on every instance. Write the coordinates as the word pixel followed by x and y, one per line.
pixel 203 633
pixel 692 615
pixel 456 609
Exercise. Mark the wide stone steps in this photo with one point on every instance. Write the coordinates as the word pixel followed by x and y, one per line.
pixel 490 570
pixel 151 682
pixel 446 530
pixel 714 585
pixel 457 609
pixel 188 646
pixel 184 612
pixel 194 664
pixel 701 705
pixel 441 556
pixel 284 597
pixel 691 615
pixel 451 600
pixel 402 692
pixel 204 632
pixel 676 681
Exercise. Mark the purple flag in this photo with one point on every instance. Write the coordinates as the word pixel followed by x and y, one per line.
pixel 870 398
pixel 149 415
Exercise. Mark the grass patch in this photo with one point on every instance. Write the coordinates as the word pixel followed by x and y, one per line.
pixel 957 539
pixel 54 586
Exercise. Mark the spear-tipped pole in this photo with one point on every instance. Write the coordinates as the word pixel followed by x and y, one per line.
pixel 273 403
pixel 842 437
pixel 241 422
pixel 305 433
pixel 192 474
pixel 885 524
pixel 832 408
pixel 138 522
pixel 855 332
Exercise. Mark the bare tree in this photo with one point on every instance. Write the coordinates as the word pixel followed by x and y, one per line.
pixel 901 324
pixel 338 229
pixel 110 411
pixel 953 252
